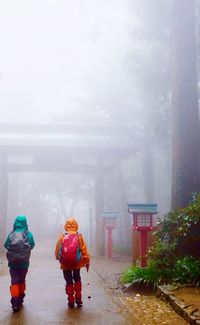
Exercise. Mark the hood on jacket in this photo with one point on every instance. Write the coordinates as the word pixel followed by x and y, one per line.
pixel 20 223
pixel 71 225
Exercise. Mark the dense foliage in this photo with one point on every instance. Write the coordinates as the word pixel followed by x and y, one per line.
pixel 175 258
pixel 179 230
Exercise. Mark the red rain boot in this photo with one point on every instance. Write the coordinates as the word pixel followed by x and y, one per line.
pixel 22 288
pixel 70 292
pixel 14 291
pixel 78 297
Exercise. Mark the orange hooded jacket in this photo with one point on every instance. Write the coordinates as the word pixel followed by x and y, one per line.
pixel 71 227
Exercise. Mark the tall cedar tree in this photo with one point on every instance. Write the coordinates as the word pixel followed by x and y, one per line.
pixel 185 128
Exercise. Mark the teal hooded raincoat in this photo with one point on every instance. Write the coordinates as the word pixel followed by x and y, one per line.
pixel 20 225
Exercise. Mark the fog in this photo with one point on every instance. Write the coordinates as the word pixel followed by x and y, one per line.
pixel 85 111
pixel 59 59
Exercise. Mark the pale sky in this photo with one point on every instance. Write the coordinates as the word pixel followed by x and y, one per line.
pixel 56 54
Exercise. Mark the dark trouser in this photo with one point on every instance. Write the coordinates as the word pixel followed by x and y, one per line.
pixel 18 286
pixel 72 276
pixel 73 284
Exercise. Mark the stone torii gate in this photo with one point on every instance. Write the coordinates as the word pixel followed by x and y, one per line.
pixel 58 148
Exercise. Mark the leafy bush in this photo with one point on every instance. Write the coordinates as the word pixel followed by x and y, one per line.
pixel 144 277
pixel 187 270
pixel 181 228
pixel 128 275
pixel 151 275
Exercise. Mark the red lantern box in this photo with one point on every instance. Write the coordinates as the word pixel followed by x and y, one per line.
pixel 143 223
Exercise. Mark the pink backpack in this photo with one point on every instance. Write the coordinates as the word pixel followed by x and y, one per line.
pixel 70 253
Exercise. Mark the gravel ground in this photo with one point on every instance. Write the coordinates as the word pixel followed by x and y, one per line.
pixel 146 308
pixel 109 271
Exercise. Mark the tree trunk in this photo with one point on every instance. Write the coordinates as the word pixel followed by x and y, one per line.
pixel 148 172
pixel 99 207
pixel 124 222
pixel 185 129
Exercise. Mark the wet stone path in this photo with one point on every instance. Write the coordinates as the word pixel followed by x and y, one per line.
pixel 150 310
pixel 147 309
pixel 46 301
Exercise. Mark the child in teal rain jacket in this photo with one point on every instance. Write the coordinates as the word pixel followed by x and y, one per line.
pixel 19 243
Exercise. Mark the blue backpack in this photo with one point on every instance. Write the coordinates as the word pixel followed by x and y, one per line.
pixel 19 250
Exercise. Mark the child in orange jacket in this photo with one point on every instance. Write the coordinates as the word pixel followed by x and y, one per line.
pixel 71 275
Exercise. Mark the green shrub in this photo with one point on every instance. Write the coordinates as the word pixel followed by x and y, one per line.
pixel 137 276
pixel 181 229
pixel 150 275
pixel 128 275
pixel 187 270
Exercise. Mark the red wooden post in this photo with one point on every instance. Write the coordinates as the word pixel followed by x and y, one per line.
pixel 109 242
pixel 143 247
pixel 109 219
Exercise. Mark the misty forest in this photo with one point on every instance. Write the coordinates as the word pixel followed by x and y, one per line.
pixel 98 109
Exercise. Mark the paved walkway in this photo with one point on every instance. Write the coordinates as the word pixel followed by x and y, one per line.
pixel 46 302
